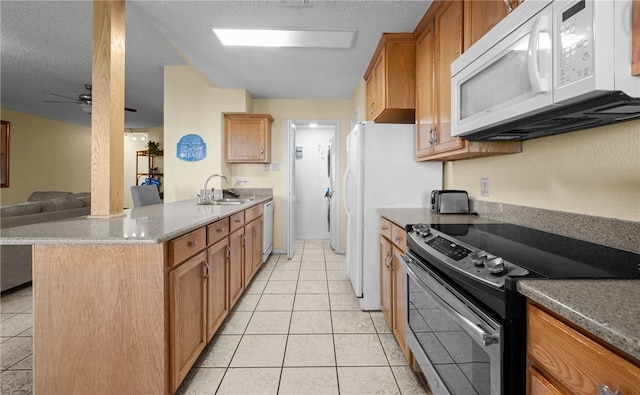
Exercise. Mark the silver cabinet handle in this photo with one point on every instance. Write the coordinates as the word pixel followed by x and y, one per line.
pixel 206 268
pixel 509 6
pixel 192 243
pixel 605 390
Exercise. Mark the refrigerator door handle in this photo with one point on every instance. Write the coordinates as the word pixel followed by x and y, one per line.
pixel 347 190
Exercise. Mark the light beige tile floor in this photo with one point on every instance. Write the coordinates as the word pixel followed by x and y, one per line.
pixel 298 329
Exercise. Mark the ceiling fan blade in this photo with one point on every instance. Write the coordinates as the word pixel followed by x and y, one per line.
pixel 60 101
pixel 66 97
pixel 130 109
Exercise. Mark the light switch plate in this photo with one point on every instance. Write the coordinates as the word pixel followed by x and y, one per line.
pixel 484 187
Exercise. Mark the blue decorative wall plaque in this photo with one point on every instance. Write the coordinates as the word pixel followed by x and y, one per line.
pixel 191 148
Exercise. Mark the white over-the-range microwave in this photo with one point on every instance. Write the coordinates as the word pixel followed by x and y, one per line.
pixel 549 67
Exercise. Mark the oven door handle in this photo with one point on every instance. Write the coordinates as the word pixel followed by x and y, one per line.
pixel 472 329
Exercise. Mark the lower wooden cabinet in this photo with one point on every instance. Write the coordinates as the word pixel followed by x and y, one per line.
pixel 562 359
pixel 208 281
pixel 392 244
pixel 236 263
pixel 187 309
pixel 253 242
pixel 248 253
pixel 256 253
pixel 217 293
pixel 399 301
pixel 386 260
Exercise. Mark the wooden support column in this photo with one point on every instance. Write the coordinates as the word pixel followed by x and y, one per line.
pixel 107 109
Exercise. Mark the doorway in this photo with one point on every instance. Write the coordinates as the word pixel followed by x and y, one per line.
pixel 311 182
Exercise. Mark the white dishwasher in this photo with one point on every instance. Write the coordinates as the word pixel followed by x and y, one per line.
pixel 267 230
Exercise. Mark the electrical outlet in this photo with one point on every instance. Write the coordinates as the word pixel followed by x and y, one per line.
pixel 266 167
pixel 240 182
pixel 275 166
pixel 484 187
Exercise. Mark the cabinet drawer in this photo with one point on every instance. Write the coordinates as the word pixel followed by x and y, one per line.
pixel 217 231
pixel 253 212
pixel 575 361
pixel 184 246
pixel 399 237
pixel 236 221
pixel 385 228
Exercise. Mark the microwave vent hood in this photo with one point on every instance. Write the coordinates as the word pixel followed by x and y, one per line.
pixel 604 110
pixel 548 67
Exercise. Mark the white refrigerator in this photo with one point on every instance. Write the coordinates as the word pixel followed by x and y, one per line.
pixel 381 172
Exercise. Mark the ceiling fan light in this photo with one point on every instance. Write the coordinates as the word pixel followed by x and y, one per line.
pixel 298 38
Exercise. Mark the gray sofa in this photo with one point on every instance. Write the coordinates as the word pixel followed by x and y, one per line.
pixel 42 206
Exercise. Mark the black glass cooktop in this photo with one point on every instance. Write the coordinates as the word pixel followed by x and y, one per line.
pixel 547 254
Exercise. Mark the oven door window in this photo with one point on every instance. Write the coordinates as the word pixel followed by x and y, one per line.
pixel 465 365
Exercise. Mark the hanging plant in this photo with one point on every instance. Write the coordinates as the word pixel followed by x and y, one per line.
pixel 153 147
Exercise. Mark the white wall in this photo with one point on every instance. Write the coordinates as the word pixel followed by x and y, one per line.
pixel 312 181
pixel 594 172
pixel 193 106
pixel 45 154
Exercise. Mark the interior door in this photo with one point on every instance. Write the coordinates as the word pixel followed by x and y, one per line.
pixel 290 232
pixel 335 217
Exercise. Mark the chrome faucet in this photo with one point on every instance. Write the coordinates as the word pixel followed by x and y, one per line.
pixel 204 195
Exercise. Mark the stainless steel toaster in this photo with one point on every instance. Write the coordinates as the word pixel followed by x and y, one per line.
pixel 449 202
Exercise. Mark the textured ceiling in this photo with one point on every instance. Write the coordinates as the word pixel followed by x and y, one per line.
pixel 46 47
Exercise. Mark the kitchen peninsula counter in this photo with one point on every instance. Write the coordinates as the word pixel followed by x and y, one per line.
pixel 141 225
pixel 608 309
pixel 126 304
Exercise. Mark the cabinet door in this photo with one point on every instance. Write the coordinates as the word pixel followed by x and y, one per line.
pixel 370 98
pixel 248 253
pixel 481 16
pixel 217 293
pixel 399 301
pixel 448 36
pixel 379 85
pixel 257 244
pixel 571 360
pixel 236 262
pixel 187 312
pixel 386 260
pixel 248 138
pixel 539 385
pixel 425 92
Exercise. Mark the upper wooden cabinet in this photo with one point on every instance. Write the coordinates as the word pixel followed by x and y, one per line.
pixel 248 138
pixel 440 38
pixel 390 79
pixel 481 16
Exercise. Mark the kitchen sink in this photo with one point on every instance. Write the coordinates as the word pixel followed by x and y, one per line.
pixel 224 202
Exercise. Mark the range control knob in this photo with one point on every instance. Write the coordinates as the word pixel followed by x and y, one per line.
pixel 424 232
pixel 478 257
pixel 495 265
pixel 422 229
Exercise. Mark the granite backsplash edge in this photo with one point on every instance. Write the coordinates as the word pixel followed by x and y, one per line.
pixel 611 232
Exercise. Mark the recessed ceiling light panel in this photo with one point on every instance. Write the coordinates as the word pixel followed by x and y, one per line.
pixel 297 38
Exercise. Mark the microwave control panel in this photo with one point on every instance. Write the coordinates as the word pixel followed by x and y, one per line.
pixel 574 26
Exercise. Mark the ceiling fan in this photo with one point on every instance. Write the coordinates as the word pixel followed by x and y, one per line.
pixel 84 99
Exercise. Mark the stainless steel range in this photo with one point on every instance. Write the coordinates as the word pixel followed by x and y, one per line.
pixel 465 320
